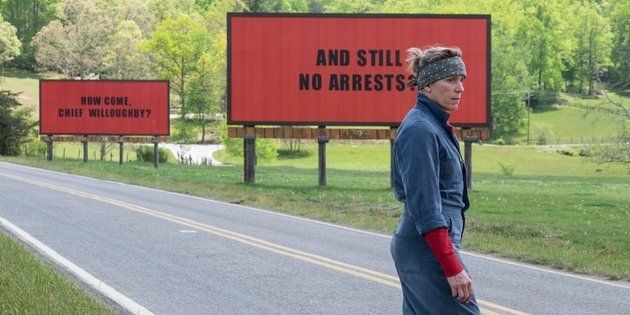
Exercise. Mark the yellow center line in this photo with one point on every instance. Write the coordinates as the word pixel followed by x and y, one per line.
pixel 360 272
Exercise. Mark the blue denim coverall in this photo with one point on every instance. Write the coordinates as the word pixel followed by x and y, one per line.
pixel 429 179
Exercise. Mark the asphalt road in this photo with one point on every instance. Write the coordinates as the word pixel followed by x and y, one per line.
pixel 177 254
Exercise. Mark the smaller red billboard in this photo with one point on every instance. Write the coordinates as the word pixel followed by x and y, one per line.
pixel 73 107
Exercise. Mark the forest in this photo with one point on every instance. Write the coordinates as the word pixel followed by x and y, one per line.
pixel 539 48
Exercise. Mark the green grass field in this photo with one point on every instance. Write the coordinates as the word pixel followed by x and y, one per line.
pixel 569 123
pixel 29 287
pixel 25 83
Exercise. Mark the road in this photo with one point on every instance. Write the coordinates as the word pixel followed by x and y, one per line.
pixel 176 254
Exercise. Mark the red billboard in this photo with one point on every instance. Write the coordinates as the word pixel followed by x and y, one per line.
pixel 342 69
pixel 73 107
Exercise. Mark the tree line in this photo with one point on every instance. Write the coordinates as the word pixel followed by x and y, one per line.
pixel 538 47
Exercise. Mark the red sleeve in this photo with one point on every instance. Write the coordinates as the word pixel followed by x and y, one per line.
pixel 442 248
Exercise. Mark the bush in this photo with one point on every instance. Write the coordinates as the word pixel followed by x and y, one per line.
pixel 266 149
pixel 585 151
pixel 501 141
pixel 507 169
pixel 15 124
pixel 184 132
pixel 293 154
pixel 542 139
pixel 144 153
pixel 542 99
pixel 34 147
pixel 568 151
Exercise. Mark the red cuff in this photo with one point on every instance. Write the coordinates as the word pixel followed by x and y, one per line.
pixel 442 248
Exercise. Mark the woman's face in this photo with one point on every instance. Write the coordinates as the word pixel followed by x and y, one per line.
pixel 447 92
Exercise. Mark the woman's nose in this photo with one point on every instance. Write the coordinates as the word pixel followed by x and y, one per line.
pixel 460 86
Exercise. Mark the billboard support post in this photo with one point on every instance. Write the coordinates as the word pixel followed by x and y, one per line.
pixel 468 140
pixel 321 143
pixel 391 163
pixel 249 150
pixel 85 149
pixel 49 147
pixel 155 152
pixel 392 137
pixel 120 150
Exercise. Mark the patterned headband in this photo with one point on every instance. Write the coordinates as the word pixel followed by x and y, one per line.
pixel 441 69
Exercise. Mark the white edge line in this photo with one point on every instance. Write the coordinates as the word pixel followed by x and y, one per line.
pixel 83 275
pixel 336 226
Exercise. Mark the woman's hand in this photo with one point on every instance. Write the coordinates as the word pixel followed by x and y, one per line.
pixel 461 286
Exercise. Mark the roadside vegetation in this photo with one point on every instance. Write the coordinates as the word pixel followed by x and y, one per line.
pixel 29 287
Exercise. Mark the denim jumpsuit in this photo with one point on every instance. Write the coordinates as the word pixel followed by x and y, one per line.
pixel 429 180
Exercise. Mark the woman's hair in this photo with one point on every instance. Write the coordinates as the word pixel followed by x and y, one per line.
pixel 418 58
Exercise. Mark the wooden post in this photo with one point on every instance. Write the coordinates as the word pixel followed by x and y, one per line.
pixel 321 141
pixel 49 143
pixel 392 169
pixel 156 156
pixel 120 149
pixel 392 137
pixel 468 140
pixel 85 149
pixel 249 153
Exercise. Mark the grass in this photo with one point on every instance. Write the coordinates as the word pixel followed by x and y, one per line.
pixel 26 83
pixel 562 211
pixel 27 286
pixel 570 123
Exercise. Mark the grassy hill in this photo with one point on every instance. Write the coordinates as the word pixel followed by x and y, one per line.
pixel 579 119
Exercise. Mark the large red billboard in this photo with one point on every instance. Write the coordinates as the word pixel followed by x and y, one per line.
pixel 73 107
pixel 341 69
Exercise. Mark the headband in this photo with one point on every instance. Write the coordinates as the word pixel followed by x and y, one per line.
pixel 441 69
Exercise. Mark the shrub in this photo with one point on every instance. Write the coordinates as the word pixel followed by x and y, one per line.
pixel 507 169
pixel 568 151
pixel 542 139
pixel 34 147
pixel 266 149
pixel 144 153
pixel 184 132
pixel 585 151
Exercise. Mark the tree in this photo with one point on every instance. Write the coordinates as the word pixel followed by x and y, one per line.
pixel 76 43
pixel 509 57
pixel 131 10
pixel 352 6
pixel 15 124
pixel 28 17
pixel 176 46
pixel 9 43
pixel 124 60
pixel 546 36
pixel 170 9
pixel 594 45
pixel 620 21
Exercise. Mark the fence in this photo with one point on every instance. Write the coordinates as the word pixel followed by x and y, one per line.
pixel 601 109
pixel 541 140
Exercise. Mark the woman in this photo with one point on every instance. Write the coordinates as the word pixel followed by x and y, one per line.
pixel 429 179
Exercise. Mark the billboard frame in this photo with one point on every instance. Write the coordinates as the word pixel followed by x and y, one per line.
pixel 168 109
pixel 230 15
